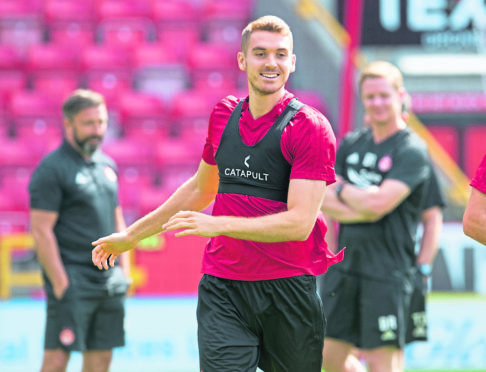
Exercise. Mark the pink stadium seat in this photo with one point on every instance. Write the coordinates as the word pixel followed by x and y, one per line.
pixel 126 32
pixel 70 23
pixel 16 155
pixel 10 58
pixel 213 66
pixel 121 8
pixel 13 188
pixel 178 24
pixel 158 70
pixel 223 21
pixel 20 30
pixel 52 68
pixel 35 110
pixel 142 115
pixel 39 136
pixel 67 10
pixel 132 184
pixel 106 70
pixel 129 153
pixel 11 81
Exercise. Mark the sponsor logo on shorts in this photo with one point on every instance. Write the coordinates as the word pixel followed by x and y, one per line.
pixel 419 324
pixel 67 336
pixel 388 326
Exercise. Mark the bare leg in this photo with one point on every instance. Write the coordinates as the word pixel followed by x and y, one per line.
pixel 339 356
pixel 55 360
pixel 384 359
pixel 97 360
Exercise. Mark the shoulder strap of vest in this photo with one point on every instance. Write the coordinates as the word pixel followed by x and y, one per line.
pixel 290 110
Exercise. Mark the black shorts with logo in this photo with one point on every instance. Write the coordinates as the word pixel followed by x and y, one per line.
pixel 417 323
pixel 276 325
pixel 87 317
pixel 366 312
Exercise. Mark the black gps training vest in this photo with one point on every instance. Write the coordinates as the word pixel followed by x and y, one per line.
pixel 259 170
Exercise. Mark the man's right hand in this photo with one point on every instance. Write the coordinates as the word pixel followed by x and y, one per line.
pixel 109 247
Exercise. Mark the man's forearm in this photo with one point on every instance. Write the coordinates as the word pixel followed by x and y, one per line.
pixel 341 212
pixel 187 197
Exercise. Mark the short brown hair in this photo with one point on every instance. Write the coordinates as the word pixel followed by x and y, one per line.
pixel 79 100
pixel 266 23
pixel 382 69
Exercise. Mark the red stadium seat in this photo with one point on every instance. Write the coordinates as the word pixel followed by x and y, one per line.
pixel 129 153
pixel 13 190
pixel 126 32
pixel 52 68
pixel 212 66
pixel 158 70
pixel 11 81
pixel 10 58
pixel 16 155
pixel 67 10
pixel 121 8
pixel 106 70
pixel 20 30
pixel 35 110
pixel 142 115
pixel 178 24
pixel 223 21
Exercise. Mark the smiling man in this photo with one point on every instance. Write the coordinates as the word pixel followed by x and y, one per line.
pixel 257 300
pixel 384 177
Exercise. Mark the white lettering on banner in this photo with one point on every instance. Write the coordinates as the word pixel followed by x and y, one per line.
pixel 432 15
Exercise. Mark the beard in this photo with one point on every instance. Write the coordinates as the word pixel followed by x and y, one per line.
pixel 86 145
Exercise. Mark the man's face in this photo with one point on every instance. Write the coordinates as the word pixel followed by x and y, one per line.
pixel 87 128
pixel 382 102
pixel 268 62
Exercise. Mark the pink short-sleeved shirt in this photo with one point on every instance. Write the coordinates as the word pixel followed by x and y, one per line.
pixel 309 145
pixel 479 179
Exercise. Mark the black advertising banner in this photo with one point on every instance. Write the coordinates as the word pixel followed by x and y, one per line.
pixel 432 24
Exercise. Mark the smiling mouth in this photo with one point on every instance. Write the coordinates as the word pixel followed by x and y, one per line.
pixel 270 76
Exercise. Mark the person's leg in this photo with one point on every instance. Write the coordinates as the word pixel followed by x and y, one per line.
pixel 339 356
pixel 227 340
pixel 55 361
pixel 97 360
pixel 290 313
pixel 340 297
pixel 384 359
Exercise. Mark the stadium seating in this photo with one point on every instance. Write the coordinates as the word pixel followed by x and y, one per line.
pixel 142 116
pixel 212 66
pixel 177 23
pixel 158 70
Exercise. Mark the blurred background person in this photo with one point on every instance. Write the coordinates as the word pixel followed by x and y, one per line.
pixel 384 172
pixel 474 220
pixel 73 196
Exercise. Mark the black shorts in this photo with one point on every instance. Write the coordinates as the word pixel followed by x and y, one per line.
pixel 417 323
pixel 277 325
pixel 85 318
pixel 364 311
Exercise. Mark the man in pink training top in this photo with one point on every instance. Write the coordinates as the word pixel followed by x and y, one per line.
pixel 474 219
pixel 266 163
